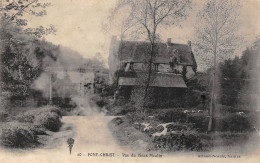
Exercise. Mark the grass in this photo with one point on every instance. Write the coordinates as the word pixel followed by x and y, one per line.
pixel 18 135
pixel 127 135
pixel 22 130
pixel 240 139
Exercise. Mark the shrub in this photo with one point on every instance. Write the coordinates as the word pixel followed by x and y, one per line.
pixel 135 117
pixel 45 117
pixel 49 120
pixel 118 121
pixel 200 122
pixel 225 109
pixel 19 135
pixel 172 116
pixel 237 123
pixel 179 127
pixel 127 109
pixel 27 117
pixel 52 109
pixel 65 103
pixel 178 142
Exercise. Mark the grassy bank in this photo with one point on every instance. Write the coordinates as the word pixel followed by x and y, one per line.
pixel 127 135
pixel 23 130
pixel 173 131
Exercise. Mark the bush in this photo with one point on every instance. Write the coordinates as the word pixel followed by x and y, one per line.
pixel 200 122
pixel 237 123
pixel 27 117
pixel 19 135
pixel 45 117
pixel 65 103
pixel 49 120
pixel 172 116
pixel 226 109
pixel 179 127
pixel 117 121
pixel 178 142
pixel 127 109
pixel 52 109
pixel 135 117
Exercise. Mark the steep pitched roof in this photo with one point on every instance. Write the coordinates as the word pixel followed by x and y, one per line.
pixel 136 51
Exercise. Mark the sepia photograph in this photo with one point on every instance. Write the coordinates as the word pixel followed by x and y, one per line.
pixel 129 81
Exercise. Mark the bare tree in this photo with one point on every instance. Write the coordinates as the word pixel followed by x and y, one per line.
pixel 149 16
pixel 118 23
pixel 216 37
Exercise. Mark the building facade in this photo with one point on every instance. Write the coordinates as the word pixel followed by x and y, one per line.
pixel 172 64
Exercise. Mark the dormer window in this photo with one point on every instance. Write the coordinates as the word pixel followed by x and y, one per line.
pixel 131 67
pixel 172 61
pixel 156 66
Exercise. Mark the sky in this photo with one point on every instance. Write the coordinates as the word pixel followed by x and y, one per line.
pixel 78 24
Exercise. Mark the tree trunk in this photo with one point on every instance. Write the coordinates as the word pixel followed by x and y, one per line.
pixel 212 101
pixel 119 59
pixel 147 84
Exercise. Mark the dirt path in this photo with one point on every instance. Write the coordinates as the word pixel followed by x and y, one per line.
pixel 91 135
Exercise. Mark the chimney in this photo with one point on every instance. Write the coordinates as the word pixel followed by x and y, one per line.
pixel 189 44
pixel 169 41
pixel 114 38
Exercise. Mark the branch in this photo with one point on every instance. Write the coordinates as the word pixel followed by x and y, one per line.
pixel 163 17
pixel 168 12
pixel 21 10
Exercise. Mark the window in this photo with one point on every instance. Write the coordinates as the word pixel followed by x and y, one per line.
pixel 131 66
pixel 156 65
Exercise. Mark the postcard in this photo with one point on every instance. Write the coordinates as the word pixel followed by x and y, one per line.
pixel 130 81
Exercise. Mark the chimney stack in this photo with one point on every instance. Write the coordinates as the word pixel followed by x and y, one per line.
pixel 113 38
pixel 189 44
pixel 169 40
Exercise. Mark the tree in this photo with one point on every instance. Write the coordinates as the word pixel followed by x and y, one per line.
pixel 231 80
pixel 23 59
pixel 148 16
pixel 216 37
pixel 13 11
pixel 21 55
pixel 119 23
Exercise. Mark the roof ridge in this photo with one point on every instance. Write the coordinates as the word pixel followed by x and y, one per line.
pixel 173 43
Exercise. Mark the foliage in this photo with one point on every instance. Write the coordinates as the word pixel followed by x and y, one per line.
pixel 217 24
pixel 216 37
pixel 15 13
pixel 64 103
pixel 232 80
pixel 46 117
pixel 135 116
pixel 172 116
pixel 200 122
pixel 128 108
pixel 237 123
pixel 237 79
pixel 18 135
pixel 50 121
pixel 188 141
pixel 117 121
pixel 23 60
